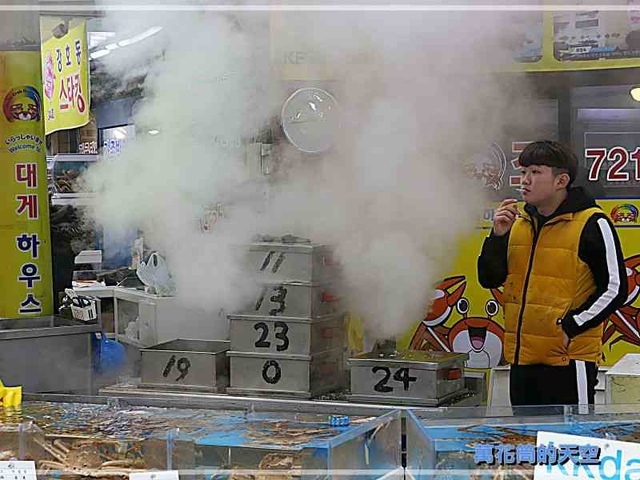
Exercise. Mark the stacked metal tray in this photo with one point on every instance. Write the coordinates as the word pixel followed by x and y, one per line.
pixel 291 341
pixel 407 377
pixel 198 365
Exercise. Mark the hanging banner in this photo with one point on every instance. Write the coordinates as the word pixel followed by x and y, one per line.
pixel 65 74
pixel 25 276
pixel 581 39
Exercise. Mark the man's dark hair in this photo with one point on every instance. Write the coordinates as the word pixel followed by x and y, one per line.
pixel 553 154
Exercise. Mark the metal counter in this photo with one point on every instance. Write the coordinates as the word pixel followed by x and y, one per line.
pixel 137 395
pixel 47 354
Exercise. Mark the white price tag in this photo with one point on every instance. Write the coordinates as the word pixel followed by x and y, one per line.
pixel 18 470
pixel 155 475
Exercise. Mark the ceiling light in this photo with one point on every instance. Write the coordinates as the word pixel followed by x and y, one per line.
pixel 154 132
pixel 635 93
pixel 120 133
pixel 99 53
pixel 98 38
pixel 146 34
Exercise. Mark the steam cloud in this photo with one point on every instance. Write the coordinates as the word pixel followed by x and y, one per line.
pixel 417 97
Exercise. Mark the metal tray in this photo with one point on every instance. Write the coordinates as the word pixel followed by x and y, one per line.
pixel 462 397
pixel 293 336
pixel 48 326
pixel 428 378
pixel 47 354
pixel 286 375
pixel 192 364
pixel 278 262
pixel 420 359
pixel 296 299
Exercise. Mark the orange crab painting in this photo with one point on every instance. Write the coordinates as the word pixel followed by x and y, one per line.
pixel 479 335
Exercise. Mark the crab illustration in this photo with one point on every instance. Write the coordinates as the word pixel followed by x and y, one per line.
pixel 625 319
pixel 480 337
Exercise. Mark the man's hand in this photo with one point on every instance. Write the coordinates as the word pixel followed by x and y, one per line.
pixel 504 216
pixel 565 340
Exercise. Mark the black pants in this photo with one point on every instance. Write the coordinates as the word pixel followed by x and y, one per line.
pixel 545 385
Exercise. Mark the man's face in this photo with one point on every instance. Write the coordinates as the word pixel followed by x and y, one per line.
pixel 539 184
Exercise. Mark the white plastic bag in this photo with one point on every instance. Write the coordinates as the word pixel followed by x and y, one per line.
pixel 154 273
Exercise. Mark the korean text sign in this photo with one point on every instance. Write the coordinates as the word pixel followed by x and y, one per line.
pixel 65 75
pixel 25 276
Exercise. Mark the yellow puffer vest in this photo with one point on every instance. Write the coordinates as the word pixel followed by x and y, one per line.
pixel 541 288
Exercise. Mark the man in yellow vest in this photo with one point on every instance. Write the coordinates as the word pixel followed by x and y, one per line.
pixel 563 273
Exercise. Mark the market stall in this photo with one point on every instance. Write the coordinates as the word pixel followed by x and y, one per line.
pixel 289 382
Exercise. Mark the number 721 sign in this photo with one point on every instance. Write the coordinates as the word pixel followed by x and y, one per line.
pixel 616 159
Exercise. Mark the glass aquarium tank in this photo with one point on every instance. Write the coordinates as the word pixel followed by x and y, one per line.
pixel 442 443
pixel 84 440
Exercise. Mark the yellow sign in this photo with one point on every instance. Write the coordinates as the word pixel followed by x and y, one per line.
pixel 65 74
pixel 588 39
pixel 25 276
pixel 467 318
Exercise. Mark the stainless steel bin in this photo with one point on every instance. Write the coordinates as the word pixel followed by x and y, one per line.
pixel 286 335
pixel 286 375
pixel 49 354
pixel 276 262
pixel 409 377
pixel 191 364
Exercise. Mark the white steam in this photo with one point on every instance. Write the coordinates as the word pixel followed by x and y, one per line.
pixel 205 95
pixel 416 99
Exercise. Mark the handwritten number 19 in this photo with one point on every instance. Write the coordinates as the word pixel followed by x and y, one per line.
pixel 182 365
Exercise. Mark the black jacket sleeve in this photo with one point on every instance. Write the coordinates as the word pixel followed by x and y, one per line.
pixel 600 250
pixel 492 262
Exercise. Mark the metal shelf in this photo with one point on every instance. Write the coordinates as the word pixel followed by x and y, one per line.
pixel 76 201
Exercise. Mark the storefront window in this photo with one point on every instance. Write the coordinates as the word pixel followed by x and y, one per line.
pixel 606 137
pixel 113 139
pixel 116 246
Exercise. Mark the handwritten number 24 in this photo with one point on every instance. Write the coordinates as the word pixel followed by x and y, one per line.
pixel 401 375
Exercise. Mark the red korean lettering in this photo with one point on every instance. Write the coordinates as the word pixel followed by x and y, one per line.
pixel 63 99
pixel 27 173
pixel 29 204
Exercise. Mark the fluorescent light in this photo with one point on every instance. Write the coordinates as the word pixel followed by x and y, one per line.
pixel 120 133
pixel 98 38
pixel 146 34
pixel 154 132
pixel 124 43
pixel 635 93
pixel 99 53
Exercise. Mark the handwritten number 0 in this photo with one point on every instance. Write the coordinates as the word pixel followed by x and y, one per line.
pixel 277 372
